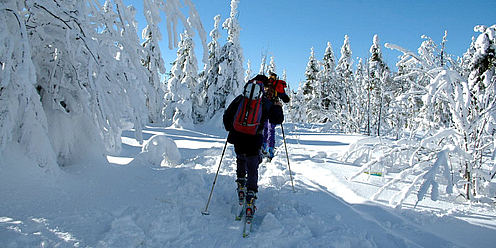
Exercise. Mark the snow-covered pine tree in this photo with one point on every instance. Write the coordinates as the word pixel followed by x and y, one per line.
pixel 182 84
pixel 297 109
pixel 465 60
pixel 248 71
pixel 311 89
pixel 310 75
pixel 263 65
pixel 153 60
pixel 225 77
pixel 412 77
pixel 231 60
pixel 361 91
pixel 208 102
pixel 272 66
pixel 479 129
pixel 401 114
pixel 410 101
pixel 222 78
pixel 328 81
pixel 438 114
pixel 344 93
pixel 380 89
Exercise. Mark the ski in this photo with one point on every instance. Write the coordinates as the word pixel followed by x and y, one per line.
pixel 242 204
pixel 247 211
pixel 241 213
pixel 248 220
pixel 245 233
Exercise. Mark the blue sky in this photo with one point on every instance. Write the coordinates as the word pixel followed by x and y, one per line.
pixel 287 29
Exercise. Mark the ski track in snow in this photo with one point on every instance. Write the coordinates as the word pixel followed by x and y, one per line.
pixel 128 203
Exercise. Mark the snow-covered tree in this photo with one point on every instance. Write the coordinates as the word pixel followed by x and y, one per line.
pixel 222 79
pixel 153 60
pixel 311 88
pixel 477 123
pixel 182 84
pixel 310 75
pixel 297 108
pixel 284 77
pixel 81 78
pixel 263 65
pixel 410 100
pixel 437 114
pixel 344 94
pixel 327 77
pixel 209 79
pixel 88 75
pixel 379 89
pixel 248 75
pixel 272 66
pixel 459 157
pixel 465 60
pixel 22 118
pixel 230 66
pixel 412 77
pixel 360 88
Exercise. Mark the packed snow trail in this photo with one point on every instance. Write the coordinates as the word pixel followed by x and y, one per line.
pixel 129 203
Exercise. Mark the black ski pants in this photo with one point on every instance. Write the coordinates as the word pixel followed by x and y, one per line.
pixel 247 166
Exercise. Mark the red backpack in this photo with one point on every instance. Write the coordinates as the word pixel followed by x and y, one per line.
pixel 249 113
pixel 279 85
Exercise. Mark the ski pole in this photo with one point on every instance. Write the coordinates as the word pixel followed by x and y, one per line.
pixel 287 156
pixel 205 212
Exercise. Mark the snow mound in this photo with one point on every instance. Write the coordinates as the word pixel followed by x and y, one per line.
pixel 160 150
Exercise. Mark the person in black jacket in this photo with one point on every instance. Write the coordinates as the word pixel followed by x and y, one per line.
pixel 247 147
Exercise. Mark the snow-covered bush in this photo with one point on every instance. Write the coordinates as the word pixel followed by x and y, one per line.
pixel 160 150
pixel 459 156
pixel 417 164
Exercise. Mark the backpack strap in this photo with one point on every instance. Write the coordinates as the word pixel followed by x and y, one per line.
pixel 275 87
pixel 247 103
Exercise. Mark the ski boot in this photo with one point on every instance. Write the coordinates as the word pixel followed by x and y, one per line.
pixel 241 182
pixel 264 150
pixel 250 205
pixel 270 153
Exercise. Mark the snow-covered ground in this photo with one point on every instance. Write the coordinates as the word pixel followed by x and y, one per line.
pixel 133 201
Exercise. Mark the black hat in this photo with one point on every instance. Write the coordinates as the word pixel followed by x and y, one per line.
pixel 261 78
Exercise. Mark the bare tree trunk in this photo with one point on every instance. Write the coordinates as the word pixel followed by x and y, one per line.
pixel 469 181
pixel 379 119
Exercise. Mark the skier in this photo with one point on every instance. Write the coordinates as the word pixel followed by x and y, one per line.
pixel 247 146
pixel 274 91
